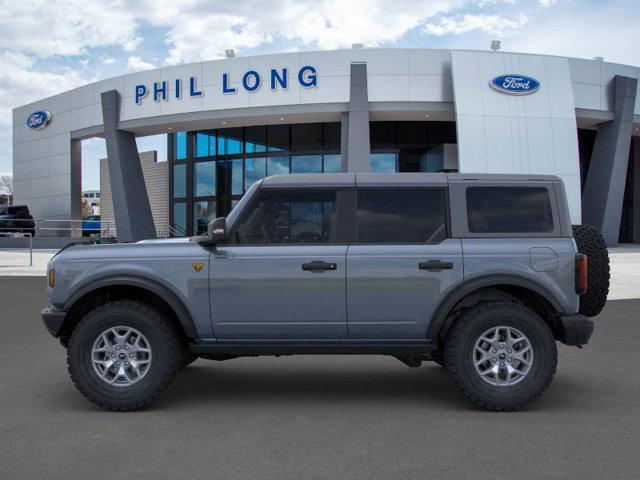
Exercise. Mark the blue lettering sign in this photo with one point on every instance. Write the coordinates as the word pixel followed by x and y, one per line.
pixel 515 84
pixel 192 88
pixel 141 92
pixel 251 86
pixel 225 84
pixel 310 80
pixel 251 81
pixel 157 90
pixel 275 77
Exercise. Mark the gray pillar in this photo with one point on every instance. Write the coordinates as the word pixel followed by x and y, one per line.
pixel 344 142
pixel 636 190
pixel 604 187
pixel 128 191
pixel 358 147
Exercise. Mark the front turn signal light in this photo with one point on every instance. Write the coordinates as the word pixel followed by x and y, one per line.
pixel 51 277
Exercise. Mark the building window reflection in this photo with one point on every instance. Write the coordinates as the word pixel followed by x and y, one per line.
pixel 212 169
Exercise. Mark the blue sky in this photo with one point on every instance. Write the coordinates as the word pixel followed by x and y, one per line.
pixel 52 47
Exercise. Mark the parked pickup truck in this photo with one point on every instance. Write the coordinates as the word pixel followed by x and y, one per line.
pixel 482 274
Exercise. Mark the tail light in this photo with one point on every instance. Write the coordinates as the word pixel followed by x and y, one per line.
pixel 582 283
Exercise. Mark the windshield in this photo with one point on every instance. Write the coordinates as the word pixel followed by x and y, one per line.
pixel 233 215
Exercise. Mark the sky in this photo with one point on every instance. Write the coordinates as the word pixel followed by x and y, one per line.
pixel 48 47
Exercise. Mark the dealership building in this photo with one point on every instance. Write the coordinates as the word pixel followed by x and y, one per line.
pixel 231 122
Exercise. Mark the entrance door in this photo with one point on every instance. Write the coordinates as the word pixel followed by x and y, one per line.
pixel 401 264
pixel 284 275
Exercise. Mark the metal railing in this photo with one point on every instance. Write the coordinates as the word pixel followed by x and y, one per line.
pixel 22 235
pixel 39 227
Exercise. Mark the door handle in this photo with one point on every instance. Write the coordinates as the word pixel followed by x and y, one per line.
pixel 319 266
pixel 435 265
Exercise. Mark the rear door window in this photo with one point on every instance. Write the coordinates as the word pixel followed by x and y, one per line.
pixel 401 215
pixel 509 210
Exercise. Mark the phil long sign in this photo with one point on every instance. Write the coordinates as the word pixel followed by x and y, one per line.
pixel 250 81
pixel 515 84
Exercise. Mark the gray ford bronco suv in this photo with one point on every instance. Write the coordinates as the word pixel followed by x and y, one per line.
pixel 479 273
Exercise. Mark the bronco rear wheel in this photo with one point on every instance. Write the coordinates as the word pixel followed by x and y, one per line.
pixel 590 241
pixel 123 354
pixel 501 354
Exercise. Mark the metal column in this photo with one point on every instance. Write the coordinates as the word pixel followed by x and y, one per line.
pixel 604 187
pixel 130 201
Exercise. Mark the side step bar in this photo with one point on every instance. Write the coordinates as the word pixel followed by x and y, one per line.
pixel 315 348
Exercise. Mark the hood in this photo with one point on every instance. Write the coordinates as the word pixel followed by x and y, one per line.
pixel 166 240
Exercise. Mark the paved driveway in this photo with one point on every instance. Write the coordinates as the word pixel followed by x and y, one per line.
pixel 316 417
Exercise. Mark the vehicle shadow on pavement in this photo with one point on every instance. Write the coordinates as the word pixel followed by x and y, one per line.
pixel 206 383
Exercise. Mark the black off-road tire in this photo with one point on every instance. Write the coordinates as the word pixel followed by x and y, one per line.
pixel 590 241
pixel 460 344
pixel 188 357
pixel 165 346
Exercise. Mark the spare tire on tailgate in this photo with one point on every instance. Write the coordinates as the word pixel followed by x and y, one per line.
pixel 590 242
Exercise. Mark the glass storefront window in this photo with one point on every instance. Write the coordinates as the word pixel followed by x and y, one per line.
pixel 243 155
pixel 332 164
pixel 254 170
pixel 180 218
pixel 277 165
pixel 306 136
pixel 331 132
pixel 306 164
pixel 255 139
pixel 229 141
pixel 205 144
pixel 236 177
pixel 204 179
pixel 203 213
pixel 383 162
pixel 278 137
pixel 180 180
pixel 180 146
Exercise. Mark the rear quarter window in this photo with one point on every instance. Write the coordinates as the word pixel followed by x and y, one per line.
pixel 509 210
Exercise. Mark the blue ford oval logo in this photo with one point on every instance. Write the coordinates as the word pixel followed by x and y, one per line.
pixel 515 84
pixel 38 119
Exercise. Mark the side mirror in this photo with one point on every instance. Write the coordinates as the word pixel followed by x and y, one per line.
pixel 217 230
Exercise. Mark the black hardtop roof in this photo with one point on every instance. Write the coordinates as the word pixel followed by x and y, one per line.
pixel 327 180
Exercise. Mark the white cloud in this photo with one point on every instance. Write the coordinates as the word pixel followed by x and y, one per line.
pixel 547 3
pixel 491 24
pixel 108 61
pixel 325 24
pixel 46 28
pixel 20 83
pixel 589 37
pixel 135 63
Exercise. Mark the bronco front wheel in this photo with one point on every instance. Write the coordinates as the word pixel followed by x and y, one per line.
pixel 123 354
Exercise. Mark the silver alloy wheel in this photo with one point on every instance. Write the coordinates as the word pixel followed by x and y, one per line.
pixel 121 356
pixel 503 356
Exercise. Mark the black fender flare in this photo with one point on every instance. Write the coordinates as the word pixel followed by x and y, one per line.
pixel 444 307
pixel 178 307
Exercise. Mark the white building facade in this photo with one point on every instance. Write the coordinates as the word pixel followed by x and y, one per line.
pixel 345 110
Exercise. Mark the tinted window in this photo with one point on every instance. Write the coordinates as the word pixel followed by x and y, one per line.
pixel 180 180
pixel 205 144
pixel 509 210
pixel 279 217
pixel 180 146
pixel 401 216
pixel 204 179
pixel 306 164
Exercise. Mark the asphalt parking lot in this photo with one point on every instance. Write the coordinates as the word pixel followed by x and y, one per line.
pixel 316 417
